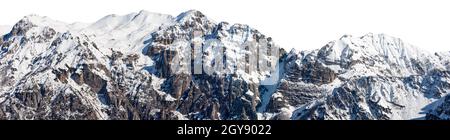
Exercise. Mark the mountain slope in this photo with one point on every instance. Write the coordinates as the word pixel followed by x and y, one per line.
pixel 53 70
pixel 111 69
pixel 369 77
pixel 154 66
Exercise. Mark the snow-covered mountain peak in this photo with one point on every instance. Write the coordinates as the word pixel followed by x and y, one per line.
pixel 193 16
pixel 346 36
pixel 391 47
pixel 139 66
pixel 44 21
pixel 371 45
pixel 137 20
pixel 189 14
pixel 381 76
pixel 36 18
pixel 126 33
pixel 375 54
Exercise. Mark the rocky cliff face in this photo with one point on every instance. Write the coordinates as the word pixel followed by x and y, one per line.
pixel 220 95
pixel 360 78
pixel 154 66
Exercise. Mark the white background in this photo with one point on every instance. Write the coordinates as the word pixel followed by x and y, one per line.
pixel 300 24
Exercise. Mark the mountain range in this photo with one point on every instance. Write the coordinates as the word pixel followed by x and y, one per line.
pixel 143 66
